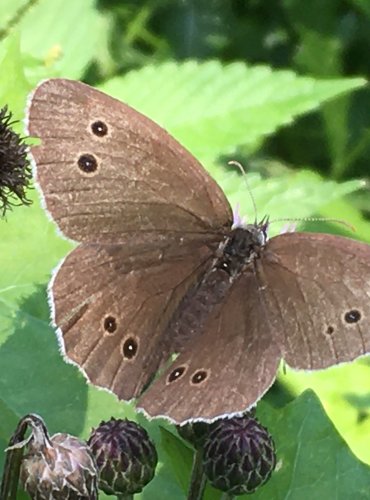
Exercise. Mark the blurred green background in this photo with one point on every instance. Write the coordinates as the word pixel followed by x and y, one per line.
pixel 278 85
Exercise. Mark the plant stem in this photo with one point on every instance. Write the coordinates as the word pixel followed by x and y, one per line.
pixel 198 479
pixel 12 466
pixel 227 496
pixel 9 484
pixel 125 497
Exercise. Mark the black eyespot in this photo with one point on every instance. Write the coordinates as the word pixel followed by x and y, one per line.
pixel 130 347
pixel 352 316
pixel 110 324
pixel 176 373
pixel 199 376
pixel 330 330
pixel 99 128
pixel 87 163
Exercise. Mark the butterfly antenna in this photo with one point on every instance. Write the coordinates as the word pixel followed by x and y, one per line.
pixel 316 219
pixel 241 168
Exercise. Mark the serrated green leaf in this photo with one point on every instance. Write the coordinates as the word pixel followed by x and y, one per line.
pixel 352 216
pixel 294 196
pixel 212 108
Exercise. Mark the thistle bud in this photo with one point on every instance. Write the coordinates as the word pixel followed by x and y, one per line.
pixel 60 467
pixel 239 455
pixel 15 169
pixel 125 455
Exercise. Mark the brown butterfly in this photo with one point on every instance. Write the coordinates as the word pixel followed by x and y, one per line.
pixel 161 271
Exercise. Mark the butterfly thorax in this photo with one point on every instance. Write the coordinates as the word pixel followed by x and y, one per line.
pixel 242 246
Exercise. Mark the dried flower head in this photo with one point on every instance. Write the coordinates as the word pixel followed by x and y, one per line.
pixel 60 467
pixel 15 169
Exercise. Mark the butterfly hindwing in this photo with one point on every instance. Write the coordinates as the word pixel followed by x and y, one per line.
pixel 317 290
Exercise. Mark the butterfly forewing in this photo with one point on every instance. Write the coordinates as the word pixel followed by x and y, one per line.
pixel 108 173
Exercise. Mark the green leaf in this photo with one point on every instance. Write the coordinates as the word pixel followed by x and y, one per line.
pixel 12 90
pixel 63 35
pixel 8 423
pixel 9 12
pixel 29 250
pixel 293 196
pixel 363 5
pixel 179 457
pixel 338 387
pixel 320 54
pixel 211 108
pixel 349 214
pixel 313 460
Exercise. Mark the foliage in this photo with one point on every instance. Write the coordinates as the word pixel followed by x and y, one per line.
pixel 273 84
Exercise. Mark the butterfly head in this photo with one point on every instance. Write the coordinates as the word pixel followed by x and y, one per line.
pixel 242 246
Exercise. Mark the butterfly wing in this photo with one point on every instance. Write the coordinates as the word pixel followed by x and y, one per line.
pixel 317 291
pixel 112 304
pixel 109 174
pixel 148 215
pixel 236 354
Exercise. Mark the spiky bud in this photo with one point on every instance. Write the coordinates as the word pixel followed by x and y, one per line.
pixel 239 455
pixel 125 455
pixel 60 467
pixel 196 433
pixel 15 170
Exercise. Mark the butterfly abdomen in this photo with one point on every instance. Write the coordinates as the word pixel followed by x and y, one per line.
pixel 232 257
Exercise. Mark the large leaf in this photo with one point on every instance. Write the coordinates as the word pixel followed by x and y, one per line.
pixel 314 461
pixel 212 108
pixel 345 393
